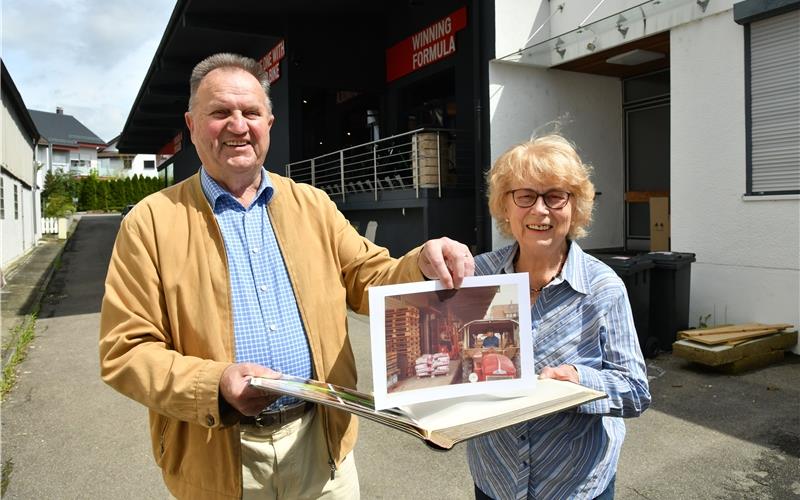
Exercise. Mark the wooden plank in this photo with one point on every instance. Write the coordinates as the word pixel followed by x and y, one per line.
pixel 752 362
pixel 721 338
pixel 644 196
pixel 743 327
pixel 714 355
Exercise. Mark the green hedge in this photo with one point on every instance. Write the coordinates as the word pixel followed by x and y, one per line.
pixel 93 193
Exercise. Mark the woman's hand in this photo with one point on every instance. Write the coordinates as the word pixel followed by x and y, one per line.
pixel 446 260
pixel 562 372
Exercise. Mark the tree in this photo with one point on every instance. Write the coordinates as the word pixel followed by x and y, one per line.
pixel 57 195
pixel 88 197
pixel 102 195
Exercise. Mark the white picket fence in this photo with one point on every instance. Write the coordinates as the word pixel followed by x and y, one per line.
pixel 49 225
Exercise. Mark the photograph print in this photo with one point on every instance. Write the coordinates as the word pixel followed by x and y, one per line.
pixel 432 343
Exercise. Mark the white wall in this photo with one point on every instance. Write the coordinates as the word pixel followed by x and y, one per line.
pixel 17 233
pixel 515 23
pixel 524 100
pixel 17 146
pixel 17 155
pixel 748 252
pixel 138 166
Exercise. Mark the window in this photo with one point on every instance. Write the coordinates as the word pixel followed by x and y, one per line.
pixel 2 198
pixel 127 162
pixel 16 202
pixel 149 164
pixel 772 93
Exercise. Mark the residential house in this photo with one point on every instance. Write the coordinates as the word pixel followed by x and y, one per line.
pixel 20 201
pixel 66 144
pixel 112 163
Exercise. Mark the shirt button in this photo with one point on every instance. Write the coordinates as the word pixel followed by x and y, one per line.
pixel 522 437
pixel 273 327
pixel 254 250
pixel 263 288
pixel 210 420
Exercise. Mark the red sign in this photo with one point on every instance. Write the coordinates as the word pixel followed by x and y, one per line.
pixel 169 149
pixel 271 61
pixel 432 44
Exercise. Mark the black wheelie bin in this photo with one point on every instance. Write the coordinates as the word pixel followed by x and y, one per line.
pixel 669 295
pixel 635 273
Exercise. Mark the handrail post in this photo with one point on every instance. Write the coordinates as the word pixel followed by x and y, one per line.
pixel 375 170
pixel 313 174
pixel 439 164
pixel 341 170
pixel 289 170
pixel 415 170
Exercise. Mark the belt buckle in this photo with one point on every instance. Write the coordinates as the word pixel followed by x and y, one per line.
pixel 268 418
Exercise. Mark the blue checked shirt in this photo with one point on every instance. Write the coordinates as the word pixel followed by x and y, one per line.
pixel 582 318
pixel 266 321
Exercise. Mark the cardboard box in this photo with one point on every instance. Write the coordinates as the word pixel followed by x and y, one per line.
pixel 659 224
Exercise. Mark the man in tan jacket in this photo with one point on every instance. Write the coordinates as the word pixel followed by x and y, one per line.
pixel 234 273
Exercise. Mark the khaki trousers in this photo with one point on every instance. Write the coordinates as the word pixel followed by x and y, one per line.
pixel 291 462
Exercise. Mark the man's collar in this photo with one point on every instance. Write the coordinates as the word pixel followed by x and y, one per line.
pixel 213 191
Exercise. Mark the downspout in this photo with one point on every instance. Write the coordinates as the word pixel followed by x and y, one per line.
pixel 483 50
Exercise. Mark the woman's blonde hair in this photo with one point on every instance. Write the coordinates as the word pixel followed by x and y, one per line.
pixel 548 159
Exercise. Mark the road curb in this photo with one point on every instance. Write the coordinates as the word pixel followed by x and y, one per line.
pixel 22 321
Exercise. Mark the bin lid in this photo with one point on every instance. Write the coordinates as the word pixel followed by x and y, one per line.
pixel 625 264
pixel 671 258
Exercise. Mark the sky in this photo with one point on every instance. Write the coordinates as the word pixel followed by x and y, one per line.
pixel 89 57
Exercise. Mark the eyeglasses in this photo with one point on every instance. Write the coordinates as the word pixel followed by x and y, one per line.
pixel 526 198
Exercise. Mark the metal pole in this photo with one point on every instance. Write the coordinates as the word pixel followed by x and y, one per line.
pixel 415 172
pixel 313 174
pixel 439 164
pixel 341 170
pixel 375 170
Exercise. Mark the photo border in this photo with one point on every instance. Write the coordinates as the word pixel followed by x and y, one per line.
pixel 495 388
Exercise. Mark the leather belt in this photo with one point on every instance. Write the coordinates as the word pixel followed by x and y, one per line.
pixel 281 416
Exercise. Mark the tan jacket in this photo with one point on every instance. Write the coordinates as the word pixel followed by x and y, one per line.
pixel 166 332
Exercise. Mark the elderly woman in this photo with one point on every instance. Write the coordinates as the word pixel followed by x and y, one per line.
pixel 540 194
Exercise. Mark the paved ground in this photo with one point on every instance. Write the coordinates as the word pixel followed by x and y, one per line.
pixel 25 282
pixel 66 435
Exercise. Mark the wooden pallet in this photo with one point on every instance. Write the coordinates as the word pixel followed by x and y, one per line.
pixel 732 334
pixel 750 354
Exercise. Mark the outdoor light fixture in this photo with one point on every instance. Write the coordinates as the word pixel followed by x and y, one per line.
pixel 623 30
pixel 560 47
pixel 634 57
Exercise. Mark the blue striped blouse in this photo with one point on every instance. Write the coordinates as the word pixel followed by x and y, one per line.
pixel 582 318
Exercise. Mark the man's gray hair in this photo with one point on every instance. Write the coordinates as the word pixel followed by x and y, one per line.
pixel 227 60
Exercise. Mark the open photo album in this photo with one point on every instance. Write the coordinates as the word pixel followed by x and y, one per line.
pixel 448 365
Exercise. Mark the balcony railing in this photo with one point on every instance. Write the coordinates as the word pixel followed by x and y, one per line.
pixel 422 158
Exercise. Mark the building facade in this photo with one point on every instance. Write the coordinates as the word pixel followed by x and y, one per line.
pixel 112 163
pixel 20 200
pixel 396 109
pixel 695 101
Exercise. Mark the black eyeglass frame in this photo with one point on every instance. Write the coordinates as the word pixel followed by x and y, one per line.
pixel 513 193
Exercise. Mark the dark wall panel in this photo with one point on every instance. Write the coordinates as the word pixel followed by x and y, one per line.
pixel 399 230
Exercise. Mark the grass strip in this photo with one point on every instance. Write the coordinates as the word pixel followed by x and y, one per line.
pixel 23 335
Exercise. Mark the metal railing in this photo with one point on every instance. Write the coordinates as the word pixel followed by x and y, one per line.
pixel 421 158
